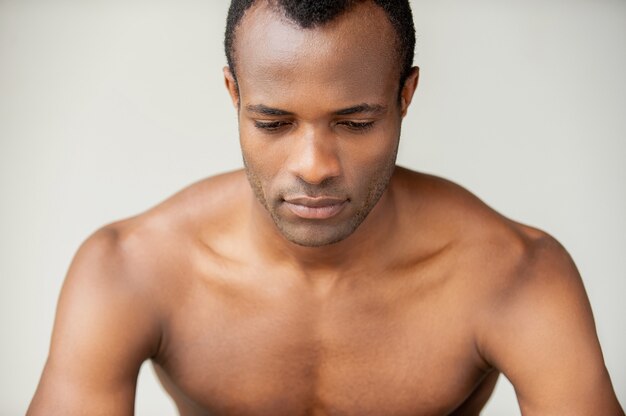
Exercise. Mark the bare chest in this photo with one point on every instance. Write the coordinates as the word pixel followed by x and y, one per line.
pixel 374 353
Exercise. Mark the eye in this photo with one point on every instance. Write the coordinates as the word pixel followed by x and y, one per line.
pixel 270 126
pixel 357 126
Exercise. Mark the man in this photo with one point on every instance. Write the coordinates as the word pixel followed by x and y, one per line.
pixel 323 279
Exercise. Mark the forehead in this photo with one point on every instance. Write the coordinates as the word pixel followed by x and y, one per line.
pixel 353 54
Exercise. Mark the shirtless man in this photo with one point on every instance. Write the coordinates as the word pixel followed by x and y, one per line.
pixel 323 279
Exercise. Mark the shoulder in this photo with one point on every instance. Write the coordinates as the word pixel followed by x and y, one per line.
pixel 200 204
pixel 534 323
pixel 523 299
pixel 126 277
pixel 475 229
pixel 150 254
pixel 515 271
pixel 106 325
pixel 107 278
pixel 513 275
pixel 173 224
pixel 539 299
pixel 437 199
pixel 101 261
pixel 443 211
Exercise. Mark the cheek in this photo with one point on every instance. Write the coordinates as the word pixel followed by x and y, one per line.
pixel 263 158
pixel 254 151
pixel 366 158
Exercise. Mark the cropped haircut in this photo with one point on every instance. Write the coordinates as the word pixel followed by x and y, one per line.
pixel 314 13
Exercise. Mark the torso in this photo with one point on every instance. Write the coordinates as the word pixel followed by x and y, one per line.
pixel 245 336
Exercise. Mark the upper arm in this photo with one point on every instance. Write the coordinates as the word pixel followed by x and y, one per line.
pixel 103 331
pixel 542 336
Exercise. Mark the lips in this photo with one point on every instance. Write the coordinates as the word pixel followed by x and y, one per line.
pixel 318 208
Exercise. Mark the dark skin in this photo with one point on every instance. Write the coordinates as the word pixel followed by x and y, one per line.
pixel 308 289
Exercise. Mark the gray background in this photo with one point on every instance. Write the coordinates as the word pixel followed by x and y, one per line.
pixel 107 107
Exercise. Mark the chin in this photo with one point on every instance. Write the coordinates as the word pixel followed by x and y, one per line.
pixel 313 242
pixel 315 235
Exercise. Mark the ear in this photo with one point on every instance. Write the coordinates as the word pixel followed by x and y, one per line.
pixel 231 86
pixel 408 89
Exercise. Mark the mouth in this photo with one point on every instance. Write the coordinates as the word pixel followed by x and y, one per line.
pixel 318 208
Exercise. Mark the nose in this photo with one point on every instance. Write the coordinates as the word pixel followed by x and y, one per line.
pixel 316 158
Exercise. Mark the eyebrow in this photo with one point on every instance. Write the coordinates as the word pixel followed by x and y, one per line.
pixel 267 111
pixel 365 108
pixel 373 109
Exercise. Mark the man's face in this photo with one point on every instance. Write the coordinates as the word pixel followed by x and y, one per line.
pixel 319 118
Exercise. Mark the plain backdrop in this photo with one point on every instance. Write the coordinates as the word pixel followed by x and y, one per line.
pixel 107 107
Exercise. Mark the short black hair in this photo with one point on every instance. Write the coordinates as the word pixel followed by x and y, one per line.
pixel 312 13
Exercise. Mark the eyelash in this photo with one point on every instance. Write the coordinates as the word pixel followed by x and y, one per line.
pixel 270 126
pixel 358 126
pixel 273 126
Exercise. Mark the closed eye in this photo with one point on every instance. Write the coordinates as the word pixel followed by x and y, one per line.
pixel 357 126
pixel 270 126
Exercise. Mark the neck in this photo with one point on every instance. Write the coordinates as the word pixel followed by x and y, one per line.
pixel 370 242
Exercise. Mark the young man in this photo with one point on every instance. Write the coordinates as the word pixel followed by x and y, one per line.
pixel 323 279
